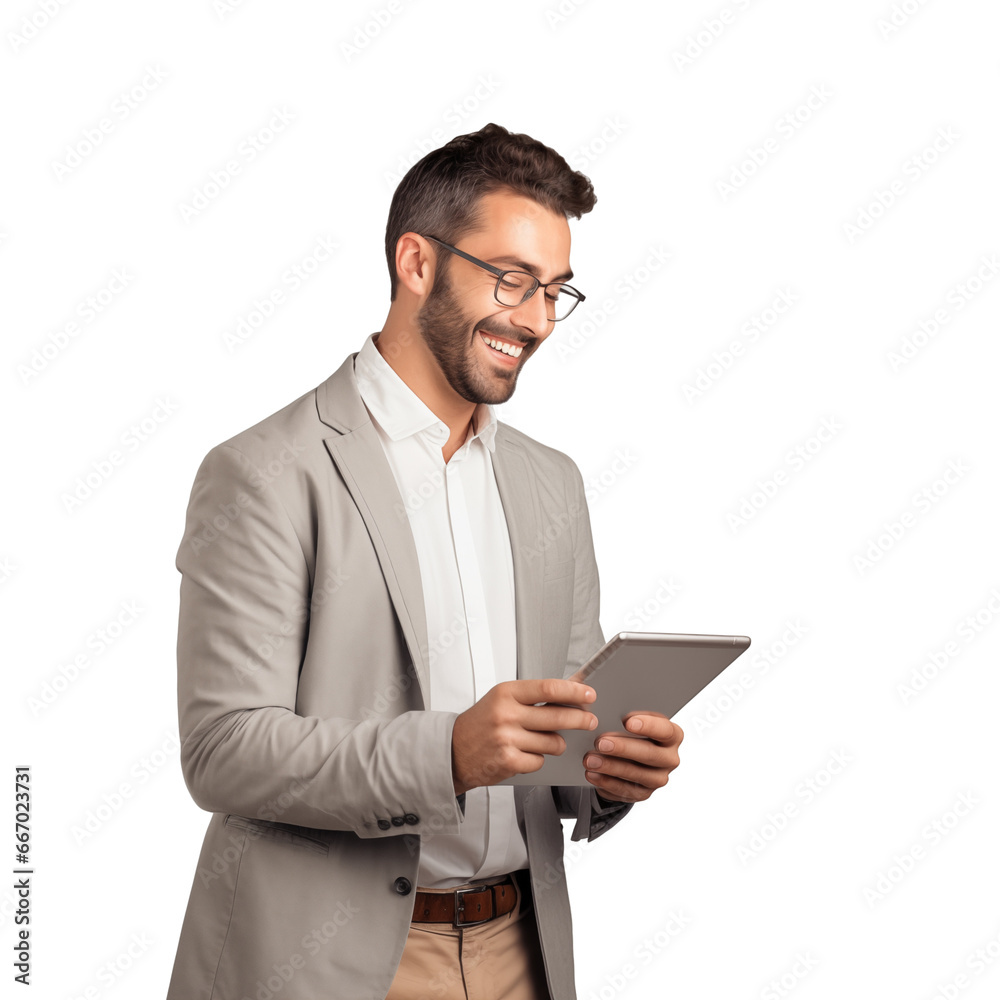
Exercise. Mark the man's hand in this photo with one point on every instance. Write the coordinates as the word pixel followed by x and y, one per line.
pixel 630 770
pixel 506 732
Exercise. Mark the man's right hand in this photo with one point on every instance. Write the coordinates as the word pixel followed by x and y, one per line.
pixel 506 732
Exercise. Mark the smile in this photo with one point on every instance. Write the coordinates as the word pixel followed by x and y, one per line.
pixel 502 347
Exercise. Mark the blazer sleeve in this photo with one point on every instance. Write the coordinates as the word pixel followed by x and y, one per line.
pixel 593 816
pixel 245 582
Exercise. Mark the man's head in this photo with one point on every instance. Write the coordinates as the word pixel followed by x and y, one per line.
pixel 503 198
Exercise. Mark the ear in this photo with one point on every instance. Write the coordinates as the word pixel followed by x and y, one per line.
pixel 415 262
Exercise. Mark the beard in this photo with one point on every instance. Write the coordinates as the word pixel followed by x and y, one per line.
pixel 451 337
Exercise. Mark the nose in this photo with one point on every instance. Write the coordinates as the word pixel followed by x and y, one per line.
pixel 532 315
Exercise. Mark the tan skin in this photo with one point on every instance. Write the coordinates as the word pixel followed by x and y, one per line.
pixel 506 731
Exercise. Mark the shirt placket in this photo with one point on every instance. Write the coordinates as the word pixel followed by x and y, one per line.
pixel 477 623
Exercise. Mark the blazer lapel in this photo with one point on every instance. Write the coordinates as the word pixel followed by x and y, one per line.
pixel 519 499
pixel 520 506
pixel 359 456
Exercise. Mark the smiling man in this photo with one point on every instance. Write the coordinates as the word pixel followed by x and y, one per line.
pixel 384 591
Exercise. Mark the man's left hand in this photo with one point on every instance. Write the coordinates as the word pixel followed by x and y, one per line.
pixel 630 770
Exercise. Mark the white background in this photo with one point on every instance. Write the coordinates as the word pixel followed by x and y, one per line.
pixel 833 483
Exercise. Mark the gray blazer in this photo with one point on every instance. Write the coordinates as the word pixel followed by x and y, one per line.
pixel 302 661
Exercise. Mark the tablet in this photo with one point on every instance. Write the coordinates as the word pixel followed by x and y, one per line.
pixel 635 671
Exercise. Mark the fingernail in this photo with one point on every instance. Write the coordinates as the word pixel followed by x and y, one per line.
pixel 593 761
pixel 605 745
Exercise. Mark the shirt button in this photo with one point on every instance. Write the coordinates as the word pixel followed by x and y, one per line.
pixel 412 819
pixel 397 820
pixel 383 824
pixel 402 886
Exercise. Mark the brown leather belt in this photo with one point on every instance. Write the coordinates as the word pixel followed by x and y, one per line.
pixel 467 907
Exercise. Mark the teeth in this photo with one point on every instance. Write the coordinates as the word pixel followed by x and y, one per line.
pixel 514 352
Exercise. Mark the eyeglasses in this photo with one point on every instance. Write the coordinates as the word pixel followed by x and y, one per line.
pixel 516 287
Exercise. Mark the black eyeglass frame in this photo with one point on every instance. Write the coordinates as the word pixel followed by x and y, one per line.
pixel 574 292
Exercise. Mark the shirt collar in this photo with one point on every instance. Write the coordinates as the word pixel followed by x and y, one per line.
pixel 399 410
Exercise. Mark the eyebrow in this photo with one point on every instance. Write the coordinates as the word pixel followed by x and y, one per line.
pixel 523 265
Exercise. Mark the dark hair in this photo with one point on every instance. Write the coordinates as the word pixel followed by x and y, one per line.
pixel 440 193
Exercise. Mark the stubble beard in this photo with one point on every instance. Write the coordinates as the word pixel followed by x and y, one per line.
pixel 450 335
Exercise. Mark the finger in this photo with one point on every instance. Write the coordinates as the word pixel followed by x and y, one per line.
pixel 541 741
pixel 527 755
pixel 555 690
pixel 641 751
pixel 654 726
pixel 616 788
pixel 552 717
pixel 615 769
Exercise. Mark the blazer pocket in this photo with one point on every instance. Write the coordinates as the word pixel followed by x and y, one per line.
pixel 286 833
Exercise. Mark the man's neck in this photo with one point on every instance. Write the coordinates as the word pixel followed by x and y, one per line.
pixel 421 375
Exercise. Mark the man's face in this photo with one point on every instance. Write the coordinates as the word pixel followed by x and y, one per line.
pixel 517 233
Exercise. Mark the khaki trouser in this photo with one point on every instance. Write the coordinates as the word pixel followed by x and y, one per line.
pixel 498 960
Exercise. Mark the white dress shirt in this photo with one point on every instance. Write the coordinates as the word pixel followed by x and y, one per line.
pixel 467 572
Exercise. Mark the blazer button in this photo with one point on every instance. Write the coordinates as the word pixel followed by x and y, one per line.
pixel 412 819
pixel 383 824
pixel 402 886
pixel 397 820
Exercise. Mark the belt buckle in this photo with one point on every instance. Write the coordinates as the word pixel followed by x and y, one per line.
pixel 460 907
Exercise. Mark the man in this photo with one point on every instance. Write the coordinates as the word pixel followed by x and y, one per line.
pixel 381 586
